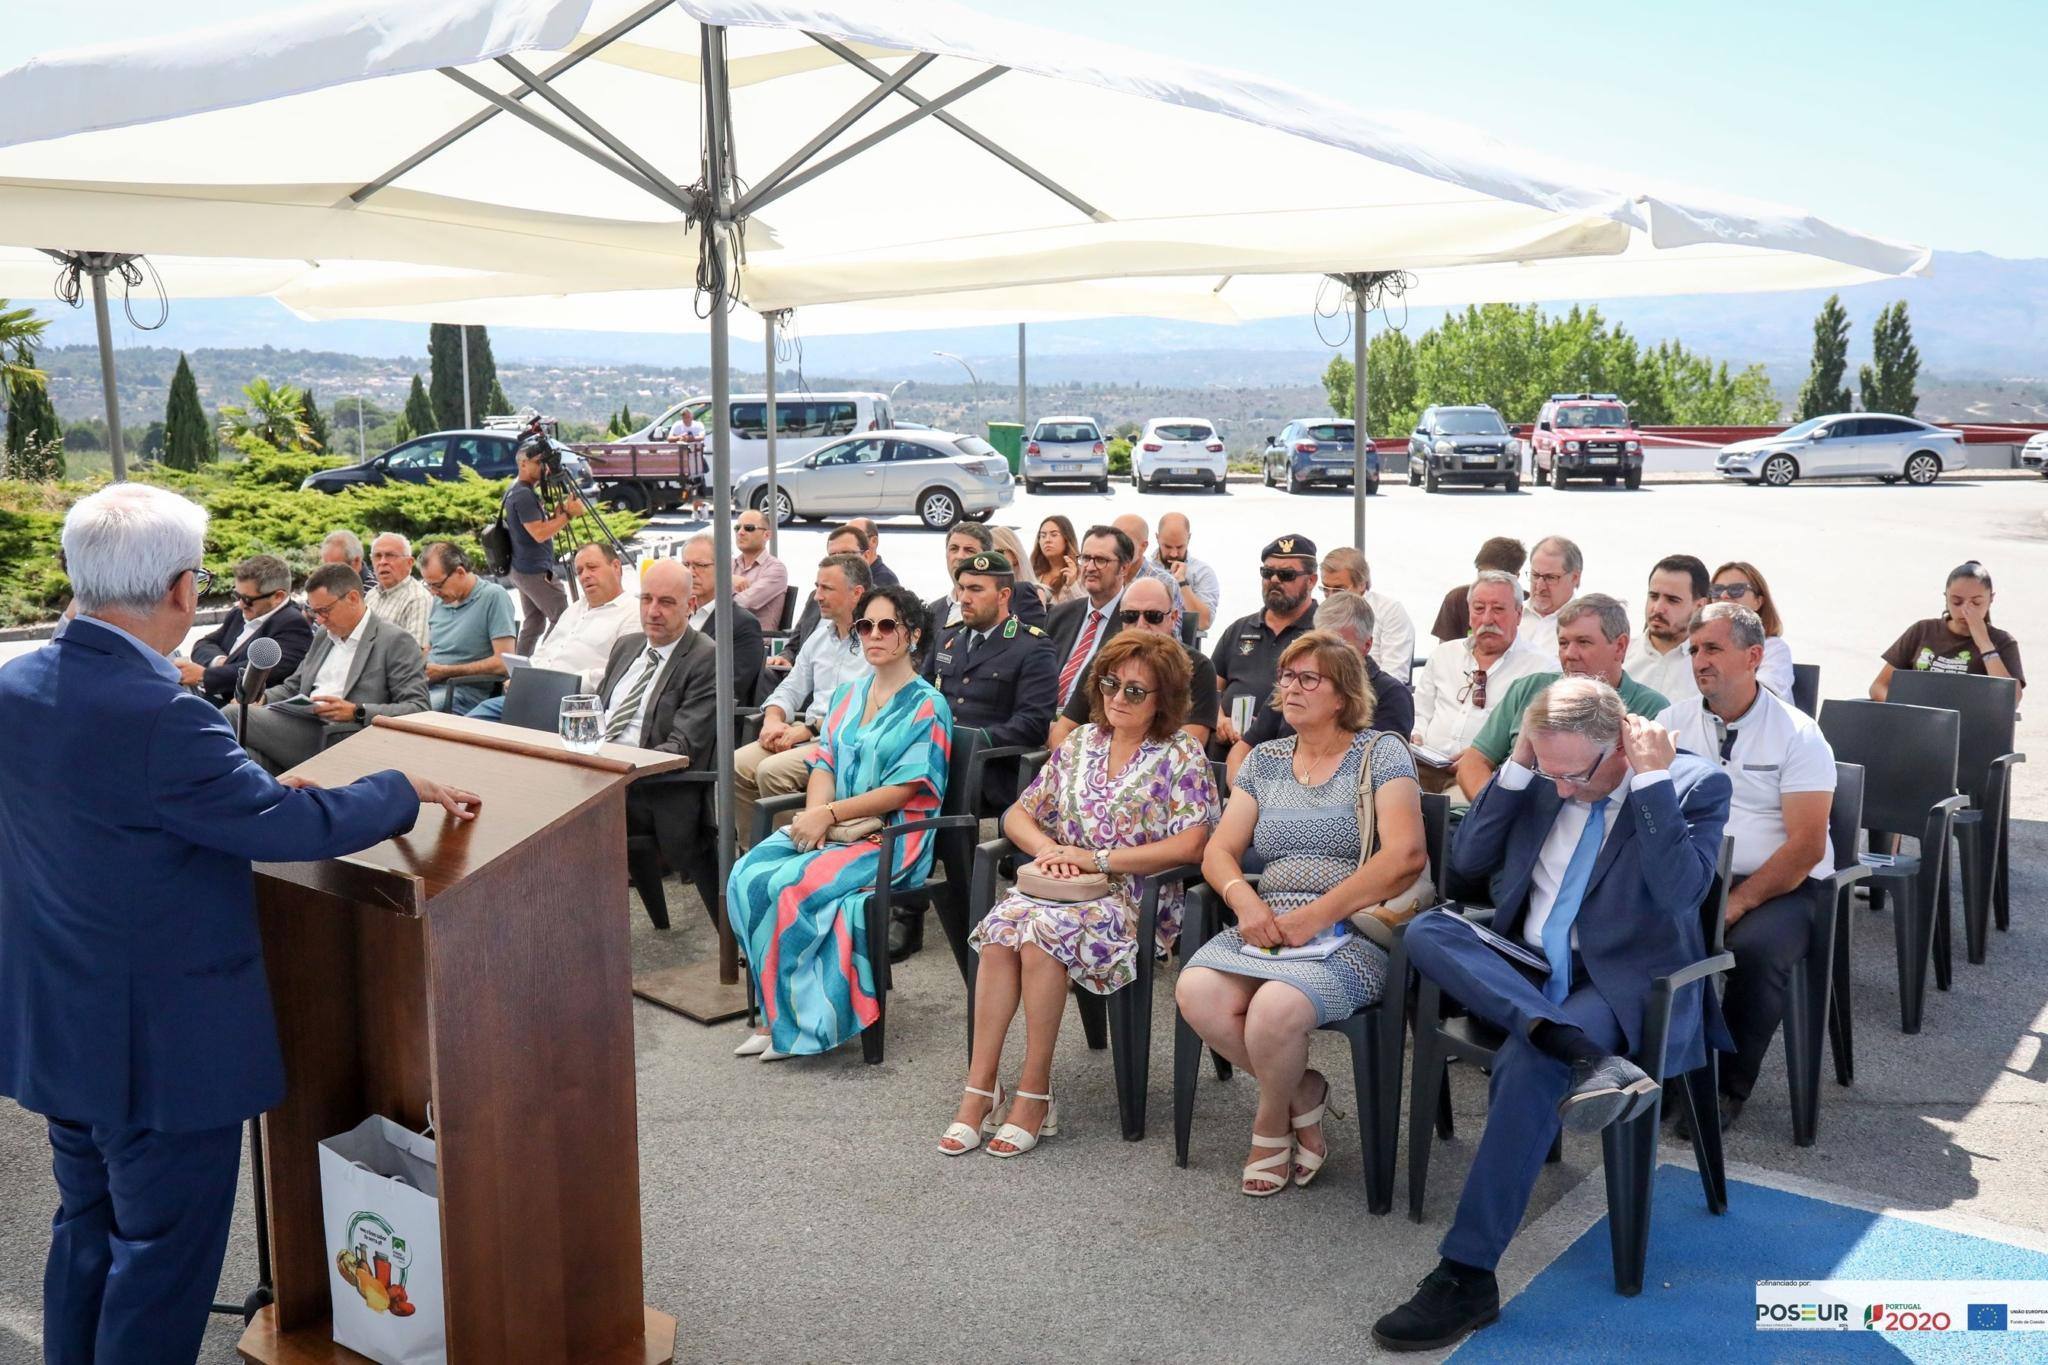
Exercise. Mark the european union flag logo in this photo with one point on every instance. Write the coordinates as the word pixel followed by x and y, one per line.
pixel 1987 1317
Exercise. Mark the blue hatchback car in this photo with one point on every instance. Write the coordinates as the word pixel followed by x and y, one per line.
pixel 1313 450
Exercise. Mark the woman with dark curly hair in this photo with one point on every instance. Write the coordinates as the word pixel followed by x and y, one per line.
pixel 797 901
pixel 1055 562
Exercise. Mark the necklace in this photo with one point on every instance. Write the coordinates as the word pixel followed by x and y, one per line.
pixel 1334 758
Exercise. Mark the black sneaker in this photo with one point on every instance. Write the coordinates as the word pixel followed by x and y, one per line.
pixel 1603 1092
pixel 1445 1308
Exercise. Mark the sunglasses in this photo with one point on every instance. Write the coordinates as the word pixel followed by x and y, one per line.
pixel 1151 616
pixel 1474 689
pixel 1578 779
pixel 1282 575
pixel 1305 679
pixel 1730 591
pixel 1110 685
pixel 885 627
pixel 751 526
pixel 250 599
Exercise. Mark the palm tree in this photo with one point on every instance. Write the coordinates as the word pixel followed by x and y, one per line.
pixel 272 415
pixel 20 328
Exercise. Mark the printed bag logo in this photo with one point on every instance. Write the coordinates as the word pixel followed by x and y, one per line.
pixel 374 1264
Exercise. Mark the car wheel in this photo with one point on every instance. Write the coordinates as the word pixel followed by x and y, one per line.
pixel 1514 483
pixel 1266 472
pixel 938 509
pixel 1922 468
pixel 1372 486
pixel 785 510
pixel 631 497
pixel 1414 473
pixel 1430 482
pixel 1294 485
pixel 1633 479
pixel 1222 484
pixel 1102 485
pixel 1780 470
pixel 1542 476
pixel 1031 486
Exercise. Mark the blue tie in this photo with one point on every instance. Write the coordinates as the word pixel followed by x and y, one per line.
pixel 1557 930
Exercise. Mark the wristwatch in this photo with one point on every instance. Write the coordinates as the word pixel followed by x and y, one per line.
pixel 1102 860
pixel 361 713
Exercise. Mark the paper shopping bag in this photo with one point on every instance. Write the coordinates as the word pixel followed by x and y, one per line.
pixel 379 1192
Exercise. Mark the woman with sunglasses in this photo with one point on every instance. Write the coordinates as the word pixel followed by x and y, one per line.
pixel 1960 640
pixel 797 901
pixel 1055 561
pixel 1296 801
pixel 1128 795
pixel 1738 581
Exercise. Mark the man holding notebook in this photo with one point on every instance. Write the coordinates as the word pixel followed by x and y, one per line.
pixel 1601 841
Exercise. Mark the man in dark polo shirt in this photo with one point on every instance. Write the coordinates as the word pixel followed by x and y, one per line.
pixel 1348 616
pixel 1248 653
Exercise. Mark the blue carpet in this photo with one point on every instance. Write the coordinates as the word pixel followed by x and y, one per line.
pixel 1571 1312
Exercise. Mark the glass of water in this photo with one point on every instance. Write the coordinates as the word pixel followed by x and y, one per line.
pixel 582 723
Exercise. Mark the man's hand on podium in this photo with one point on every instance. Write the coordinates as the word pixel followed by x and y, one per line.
pixel 457 802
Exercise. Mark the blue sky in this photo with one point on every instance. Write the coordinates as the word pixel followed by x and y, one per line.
pixel 1890 118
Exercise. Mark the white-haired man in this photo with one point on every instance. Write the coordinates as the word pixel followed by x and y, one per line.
pixel 398 597
pixel 1463 676
pixel 343 546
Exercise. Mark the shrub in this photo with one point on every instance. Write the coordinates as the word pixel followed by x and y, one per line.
pixel 1119 452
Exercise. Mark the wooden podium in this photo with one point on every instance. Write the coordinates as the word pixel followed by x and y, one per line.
pixel 481 966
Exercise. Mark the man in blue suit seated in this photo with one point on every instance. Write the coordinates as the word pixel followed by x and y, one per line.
pixel 1601 841
pixel 134 1013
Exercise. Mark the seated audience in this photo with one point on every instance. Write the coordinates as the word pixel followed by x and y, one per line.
pixel 1464 678
pixel 778 762
pixel 1592 638
pixel 1503 554
pixel 581 639
pixel 1960 640
pixel 1555 568
pixel 994 671
pixel 845 540
pixel 1347 616
pixel 759 580
pixel 1146 607
pixel 879 572
pixel 1743 584
pixel 1128 796
pixel 1782 773
pixel 1142 564
pixel 1080 628
pixel 265 609
pixel 1657 659
pixel 964 542
pixel 1393 638
pixel 343 546
pixel 1587 785
pixel 469 630
pixel 398 597
pixel 359 668
pixel 1011 547
pixel 1248 651
pixel 699 557
pixel 1296 800
pixel 1201 591
pixel 1056 561
pixel 797 900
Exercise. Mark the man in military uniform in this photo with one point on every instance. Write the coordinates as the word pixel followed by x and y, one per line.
pixel 997 674
pixel 1248 654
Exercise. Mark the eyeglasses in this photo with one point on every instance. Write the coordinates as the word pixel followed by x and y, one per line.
pixel 1282 575
pixel 1474 689
pixel 1578 779
pixel 1151 616
pixel 1730 591
pixel 1110 685
pixel 202 579
pixel 1100 561
pixel 1306 679
pixel 886 627
pixel 435 584
pixel 321 614
pixel 1547 579
pixel 250 599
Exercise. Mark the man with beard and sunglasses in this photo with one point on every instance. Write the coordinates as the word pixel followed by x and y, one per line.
pixel 1455 689
pixel 1147 607
pixel 1350 618
pixel 1250 649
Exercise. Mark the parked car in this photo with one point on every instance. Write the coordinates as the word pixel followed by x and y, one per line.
pixel 1066 450
pixel 1178 450
pixel 444 455
pixel 1468 444
pixel 1846 445
pixel 1585 436
pixel 1313 450
pixel 2034 454
pixel 939 477
pixel 803 423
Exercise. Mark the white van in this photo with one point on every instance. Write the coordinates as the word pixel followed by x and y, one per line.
pixel 803 423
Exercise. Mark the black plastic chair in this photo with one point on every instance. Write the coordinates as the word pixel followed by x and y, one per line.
pixel 786 618
pixel 533 697
pixel 1376 1033
pixel 1818 993
pixel 1806 689
pixel 645 864
pixel 1989 709
pixel 1908 756
pixel 1628 1148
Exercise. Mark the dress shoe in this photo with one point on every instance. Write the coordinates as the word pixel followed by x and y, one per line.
pixel 1603 1092
pixel 906 934
pixel 1445 1307
pixel 1731 1109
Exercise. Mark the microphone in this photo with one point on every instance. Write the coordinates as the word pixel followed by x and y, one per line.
pixel 263 656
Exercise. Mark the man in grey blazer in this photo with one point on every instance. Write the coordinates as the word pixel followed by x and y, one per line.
pixel 359 667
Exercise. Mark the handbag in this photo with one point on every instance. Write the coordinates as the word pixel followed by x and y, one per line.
pixel 853 831
pixel 1088 886
pixel 1378 922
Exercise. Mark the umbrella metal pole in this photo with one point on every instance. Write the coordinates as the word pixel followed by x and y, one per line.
pixel 468 418
pixel 106 334
pixel 1023 419
pixel 773 321
pixel 1361 437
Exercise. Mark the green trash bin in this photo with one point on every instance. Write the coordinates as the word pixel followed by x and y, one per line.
pixel 1008 437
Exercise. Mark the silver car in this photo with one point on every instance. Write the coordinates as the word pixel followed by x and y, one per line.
pixel 1066 450
pixel 1875 445
pixel 939 477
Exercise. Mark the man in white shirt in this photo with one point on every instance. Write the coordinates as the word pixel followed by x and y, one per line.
pixel 1658 658
pixel 398 597
pixel 1464 676
pixel 1555 568
pixel 686 428
pixel 581 639
pixel 1784 777
pixel 794 715
pixel 1393 639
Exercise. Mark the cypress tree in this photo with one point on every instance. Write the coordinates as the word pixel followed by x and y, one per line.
pixel 188 436
pixel 419 410
pixel 483 374
pixel 1824 392
pixel 444 360
pixel 316 425
pixel 35 435
pixel 497 405
pixel 1887 382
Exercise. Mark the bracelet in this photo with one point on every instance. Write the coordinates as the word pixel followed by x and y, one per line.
pixel 1224 894
pixel 831 812
pixel 1987 654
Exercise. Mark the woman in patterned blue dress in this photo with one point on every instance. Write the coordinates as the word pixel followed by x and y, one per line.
pixel 1296 801
pixel 798 900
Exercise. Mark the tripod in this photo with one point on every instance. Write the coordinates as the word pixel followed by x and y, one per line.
pixel 556 489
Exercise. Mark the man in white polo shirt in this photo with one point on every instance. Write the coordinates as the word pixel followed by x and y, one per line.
pixel 1463 677
pixel 1783 774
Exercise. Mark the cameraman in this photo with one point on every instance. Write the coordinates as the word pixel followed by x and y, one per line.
pixel 532 533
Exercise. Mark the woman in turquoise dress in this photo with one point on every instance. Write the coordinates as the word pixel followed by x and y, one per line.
pixel 798 900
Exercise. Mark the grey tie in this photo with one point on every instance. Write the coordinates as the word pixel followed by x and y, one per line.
pixel 628 708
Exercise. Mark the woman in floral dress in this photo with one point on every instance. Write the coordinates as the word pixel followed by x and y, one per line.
pixel 1127 795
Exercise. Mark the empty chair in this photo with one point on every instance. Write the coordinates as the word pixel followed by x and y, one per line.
pixel 1908 756
pixel 533 697
pixel 1806 688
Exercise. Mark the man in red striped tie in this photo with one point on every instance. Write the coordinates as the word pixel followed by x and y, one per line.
pixel 1079 627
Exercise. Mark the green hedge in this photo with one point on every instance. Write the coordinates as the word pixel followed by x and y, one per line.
pixel 256 507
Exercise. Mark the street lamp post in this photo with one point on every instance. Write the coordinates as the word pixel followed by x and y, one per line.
pixel 948 355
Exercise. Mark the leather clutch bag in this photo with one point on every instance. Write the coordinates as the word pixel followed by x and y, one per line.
pixel 1088 886
pixel 853 831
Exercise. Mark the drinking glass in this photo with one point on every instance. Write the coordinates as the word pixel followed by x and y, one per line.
pixel 582 723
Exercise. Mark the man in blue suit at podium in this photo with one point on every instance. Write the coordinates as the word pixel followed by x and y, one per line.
pixel 134 1012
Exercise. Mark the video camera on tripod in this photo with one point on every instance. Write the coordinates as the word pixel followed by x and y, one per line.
pixel 558 495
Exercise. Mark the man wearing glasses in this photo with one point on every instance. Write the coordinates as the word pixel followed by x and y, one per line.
pixel 263 594
pixel 759 579
pixel 361 667
pixel 1454 693
pixel 1147 607
pixel 1251 646
pixel 1555 568
pixel 1601 841
pixel 1079 627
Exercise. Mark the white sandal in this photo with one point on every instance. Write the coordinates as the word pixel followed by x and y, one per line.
pixel 1263 1170
pixel 753 1045
pixel 1022 1140
pixel 970 1138
pixel 1312 1162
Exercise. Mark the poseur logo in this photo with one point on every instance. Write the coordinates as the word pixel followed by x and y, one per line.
pixel 1804 1312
